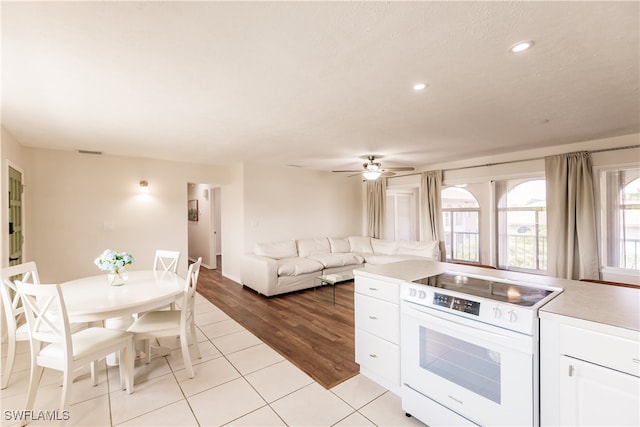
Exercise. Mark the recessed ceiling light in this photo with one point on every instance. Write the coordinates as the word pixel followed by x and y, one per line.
pixel 521 46
pixel 419 86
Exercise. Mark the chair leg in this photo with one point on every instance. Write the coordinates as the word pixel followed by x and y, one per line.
pixel 67 380
pixel 11 358
pixel 94 373
pixel 195 340
pixel 123 367
pixel 34 383
pixel 128 357
pixel 184 343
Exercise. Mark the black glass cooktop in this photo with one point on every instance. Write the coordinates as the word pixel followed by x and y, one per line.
pixel 499 291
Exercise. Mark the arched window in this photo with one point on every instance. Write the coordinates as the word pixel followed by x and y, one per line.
pixel 461 219
pixel 522 225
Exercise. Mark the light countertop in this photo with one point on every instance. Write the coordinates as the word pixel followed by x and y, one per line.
pixel 609 305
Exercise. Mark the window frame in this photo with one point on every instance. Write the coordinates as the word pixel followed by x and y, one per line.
pixel 510 184
pixel 452 212
pixel 606 270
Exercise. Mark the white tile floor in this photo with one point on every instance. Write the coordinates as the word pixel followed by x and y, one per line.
pixel 240 381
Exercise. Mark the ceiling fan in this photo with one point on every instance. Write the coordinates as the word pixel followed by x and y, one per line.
pixel 372 170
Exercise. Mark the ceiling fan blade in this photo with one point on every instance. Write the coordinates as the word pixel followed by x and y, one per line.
pixel 406 168
pixel 354 170
pixel 387 173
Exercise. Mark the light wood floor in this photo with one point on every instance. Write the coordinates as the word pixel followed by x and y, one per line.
pixel 304 327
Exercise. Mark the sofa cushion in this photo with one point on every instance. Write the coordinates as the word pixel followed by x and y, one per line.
pixel 429 249
pixel 338 260
pixel 360 244
pixel 316 246
pixel 296 266
pixel 339 245
pixel 276 250
pixel 384 247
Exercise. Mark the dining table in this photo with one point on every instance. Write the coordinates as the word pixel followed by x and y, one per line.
pixel 91 299
pixel 94 301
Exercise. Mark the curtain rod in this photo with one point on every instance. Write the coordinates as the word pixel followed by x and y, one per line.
pixel 526 160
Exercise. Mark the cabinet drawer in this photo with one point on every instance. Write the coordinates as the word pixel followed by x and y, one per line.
pixel 378 356
pixel 614 352
pixel 378 289
pixel 378 317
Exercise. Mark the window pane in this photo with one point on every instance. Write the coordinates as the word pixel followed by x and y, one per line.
pixel 522 225
pixel 460 215
pixel 620 212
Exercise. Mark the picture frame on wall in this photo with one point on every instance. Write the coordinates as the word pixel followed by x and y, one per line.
pixel 192 209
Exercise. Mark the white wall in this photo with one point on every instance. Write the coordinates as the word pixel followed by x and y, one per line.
pixel 69 197
pixel 79 205
pixel 232 219
pixel 284 203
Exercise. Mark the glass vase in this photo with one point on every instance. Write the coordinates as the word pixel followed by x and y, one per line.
pixel 116 278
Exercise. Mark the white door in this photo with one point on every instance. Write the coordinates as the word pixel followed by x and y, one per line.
pixel 592 395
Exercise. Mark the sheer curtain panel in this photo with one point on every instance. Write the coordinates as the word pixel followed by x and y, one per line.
pixel 571 222
pixel 432 228
pixel 376 207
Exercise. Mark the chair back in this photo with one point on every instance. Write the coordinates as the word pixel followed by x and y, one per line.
pixel 166 260
pixel 188 300
pixel 46 314
pixel 26 273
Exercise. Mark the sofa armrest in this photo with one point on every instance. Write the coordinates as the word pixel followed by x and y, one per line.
pixel 259 273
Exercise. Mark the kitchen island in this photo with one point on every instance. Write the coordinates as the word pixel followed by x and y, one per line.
pixel 583 329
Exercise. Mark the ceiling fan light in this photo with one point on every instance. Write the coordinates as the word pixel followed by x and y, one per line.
pixel 371 174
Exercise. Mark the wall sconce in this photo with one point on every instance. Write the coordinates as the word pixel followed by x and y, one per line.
pixel 144 187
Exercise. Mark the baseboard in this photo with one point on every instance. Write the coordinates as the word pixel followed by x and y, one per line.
pixel 234 278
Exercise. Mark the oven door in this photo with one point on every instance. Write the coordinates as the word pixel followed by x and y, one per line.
pixel 481 372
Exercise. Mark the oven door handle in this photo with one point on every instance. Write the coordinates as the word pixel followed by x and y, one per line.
pixel 505 337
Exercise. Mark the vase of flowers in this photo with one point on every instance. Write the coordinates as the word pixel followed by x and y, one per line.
pixel 114 263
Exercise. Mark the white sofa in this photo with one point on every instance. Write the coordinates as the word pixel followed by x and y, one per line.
pixel 285 266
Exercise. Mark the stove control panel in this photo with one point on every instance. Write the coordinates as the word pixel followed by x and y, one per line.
pixel 455 303
pixel 491 312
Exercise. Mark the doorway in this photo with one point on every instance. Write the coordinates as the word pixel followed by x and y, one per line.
pixel 204 223
pixel 16 236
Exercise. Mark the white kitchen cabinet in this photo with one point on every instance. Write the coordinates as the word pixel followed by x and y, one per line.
pixel 590 373
pixel 377 334
pixel 592 395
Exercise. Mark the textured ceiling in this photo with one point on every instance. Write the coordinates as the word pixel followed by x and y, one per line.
pixel 317 84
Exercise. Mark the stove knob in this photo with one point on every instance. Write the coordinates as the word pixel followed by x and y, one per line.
pixel 412 292
pixel 422 294
pixel 496 312
pixel 513 317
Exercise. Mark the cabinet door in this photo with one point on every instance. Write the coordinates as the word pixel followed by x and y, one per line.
pixel 594 395
pixel 377 317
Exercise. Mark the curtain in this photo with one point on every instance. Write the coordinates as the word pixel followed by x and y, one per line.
pixel 572 249
pixel 376 207
pixel 432 228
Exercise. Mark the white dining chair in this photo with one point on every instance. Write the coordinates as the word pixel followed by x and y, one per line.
pixel 17 329
pixel 169 323
pixel 166 260
pixel 63 350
